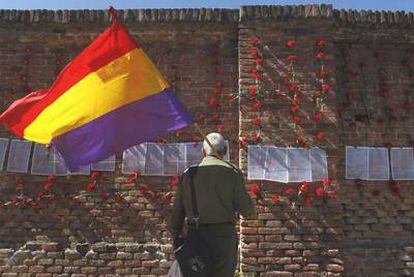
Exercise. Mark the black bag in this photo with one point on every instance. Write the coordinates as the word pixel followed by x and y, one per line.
pixel 193 255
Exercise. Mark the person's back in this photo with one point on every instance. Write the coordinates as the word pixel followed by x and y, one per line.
pixel 221 195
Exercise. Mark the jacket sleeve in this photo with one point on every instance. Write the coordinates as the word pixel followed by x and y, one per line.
pixel 243 203
pixel 178 212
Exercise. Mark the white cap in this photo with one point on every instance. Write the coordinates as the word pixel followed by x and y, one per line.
pixel 218 143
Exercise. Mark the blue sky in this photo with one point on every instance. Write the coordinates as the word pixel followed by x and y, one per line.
pixel 407 5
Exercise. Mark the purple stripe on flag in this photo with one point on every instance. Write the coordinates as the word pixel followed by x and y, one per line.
pixel 129 125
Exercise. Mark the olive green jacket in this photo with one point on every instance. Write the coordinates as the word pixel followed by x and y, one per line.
pixel 220 195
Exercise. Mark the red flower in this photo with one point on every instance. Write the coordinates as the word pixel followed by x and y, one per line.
pixel 317 116
pixel 320 135
pixel 275 198
pixel 290 43
pixel 308 200
pixel 320 55
pixel 293 87
pixel 219 84
pixel 259 61
pixel 319 191
pixel 286 80
pixel 217 92
pixel 304 188
pixel 320 43
pixel 255 70
pixel 301 142
pixel 212 101
pixel 255 41
pixel 215 117
pixel 202 117
pixel 296 119
pixel 51 178
pixel 289 191
pixel 326 88
pixel 220 127
pixel 326 181
pixel 94 175
pixel 256 121
pixel 154 195
pixel 257 138
pixel 258 76
pixel 167 196
pixel 254 53
pixel 174 182
pixel 47 186
pixel 132 180
pixel 323 74
pixel 90 186
pixel 294 108
pixel 219 105
pixel 255 190
pixel 252 91
pixel 257 105
pixel 291 58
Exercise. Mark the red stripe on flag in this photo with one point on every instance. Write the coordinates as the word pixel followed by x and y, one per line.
pixel 110 45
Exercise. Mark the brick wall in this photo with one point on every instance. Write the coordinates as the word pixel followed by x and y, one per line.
pixel 367 232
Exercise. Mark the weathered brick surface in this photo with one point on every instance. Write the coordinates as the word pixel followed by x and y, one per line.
pixel 367 232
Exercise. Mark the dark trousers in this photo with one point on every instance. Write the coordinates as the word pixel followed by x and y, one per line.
pixel 223 241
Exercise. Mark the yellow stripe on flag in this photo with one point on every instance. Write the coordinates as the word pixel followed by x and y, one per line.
pixel 127 79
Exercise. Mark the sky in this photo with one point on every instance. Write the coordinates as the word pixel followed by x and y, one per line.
pixel 406 5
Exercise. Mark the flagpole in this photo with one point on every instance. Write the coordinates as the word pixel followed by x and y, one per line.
pixel 207 140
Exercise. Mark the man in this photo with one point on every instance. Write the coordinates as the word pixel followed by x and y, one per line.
pixel 220 195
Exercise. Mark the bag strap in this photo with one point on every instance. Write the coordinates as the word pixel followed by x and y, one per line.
pixel 191 172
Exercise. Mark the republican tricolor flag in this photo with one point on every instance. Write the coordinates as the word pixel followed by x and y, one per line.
pixel 109 98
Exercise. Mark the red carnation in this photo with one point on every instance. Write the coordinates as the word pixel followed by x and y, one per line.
pixel 255 70
pixel 320 55
pixel 252 91
pixel 294 108
pixel 275 199
pixel 219 84
pixel 254 53
pixel 289 191
pixel 51 177
pixel 320 135
pixel 90 186
pixel 255 41
pixel 259 61
pixel 256 191
pixel 290 43
pixel 293 86
pixel 202 117
pixel 256 121
pixel 317 116
pixel 212 101
pixel 257 105
pixel 174 182
pixel 215 117
pixel 220 127
pixel 219 105
pixel 217 92
pixel 47 186
pixel 94 175
pixel 319 191
pixel 245 137
pixel 132 180
pixel 291 58
pixel 326 181
pixel 296 119
pixel 257 138
pixel 320 43
pixel 326 88
pixel 258 76
pixel 137 172
pixel 304 188
pixel 167 196
pixel 287 80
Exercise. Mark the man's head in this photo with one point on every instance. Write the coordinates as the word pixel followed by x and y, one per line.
pixel 218 143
